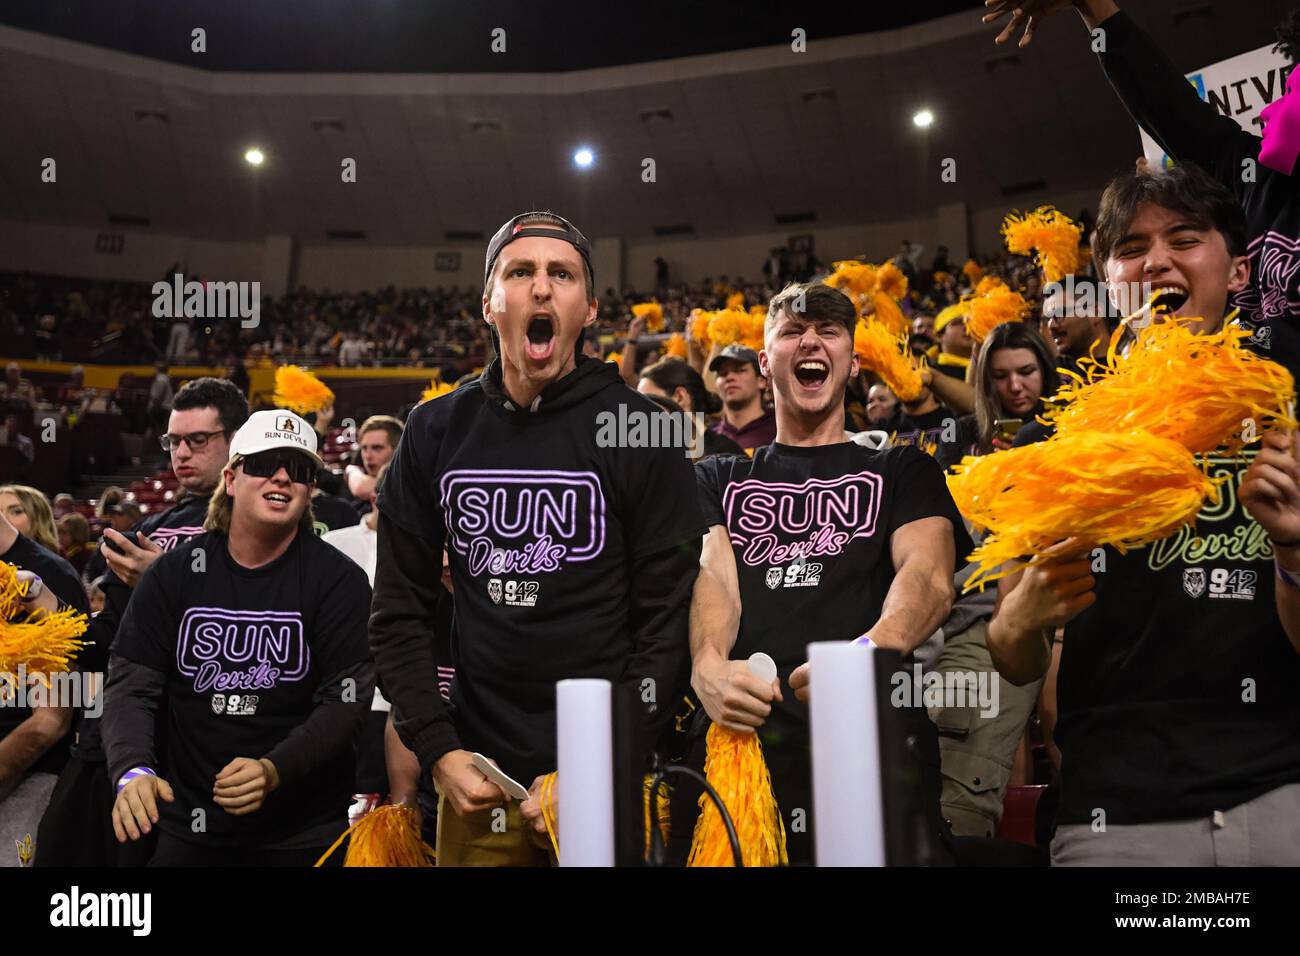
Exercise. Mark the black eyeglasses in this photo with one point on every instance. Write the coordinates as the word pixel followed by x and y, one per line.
pixel 264 464
pixel 195 440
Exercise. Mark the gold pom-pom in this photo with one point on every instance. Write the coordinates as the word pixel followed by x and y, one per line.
pixel 735 768
pixel 1195 389
pixel 676 346
pixel 699 328
pixel 891 281
pixel 886 354
pixel 1123 489
pixel 751 329
pixel 43 643
pixel 1052 234
pixel 941 276
pixel 300 391
pixel 386 836
pixel 988 309
pixel 971 269
pixel 888 314
pixel 652 312
pixel 855 279
pixel 662 816
pixel 12 591
pixel 436 389
pixel 736 301
pixel 615 357
pixel 727 326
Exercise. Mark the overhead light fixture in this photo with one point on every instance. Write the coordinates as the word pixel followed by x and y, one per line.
pixel 254 156
pixel 923 119
pixel 584 157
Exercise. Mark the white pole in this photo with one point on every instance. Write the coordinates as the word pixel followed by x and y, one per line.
pixel 585 766
pixel 848 821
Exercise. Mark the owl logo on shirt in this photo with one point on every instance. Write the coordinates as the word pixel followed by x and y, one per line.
pixel 1194 581
pixel 774 576
pixel 494 590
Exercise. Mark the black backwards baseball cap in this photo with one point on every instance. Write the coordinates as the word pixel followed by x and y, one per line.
pixel 515 229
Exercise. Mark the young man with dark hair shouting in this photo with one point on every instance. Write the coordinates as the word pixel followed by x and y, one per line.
pixel 814 539
pixel 570 559
pixel 1178 719
pixel 205 415
pixel 252 640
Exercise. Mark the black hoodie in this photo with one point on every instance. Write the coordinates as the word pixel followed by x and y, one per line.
pixel 570 558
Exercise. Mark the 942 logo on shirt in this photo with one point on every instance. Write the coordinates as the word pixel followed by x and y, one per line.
pixel 235 705
pixel 1225 584
pixel 513 593
pixel 799 574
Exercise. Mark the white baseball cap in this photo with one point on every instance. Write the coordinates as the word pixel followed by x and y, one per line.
pixel 275 428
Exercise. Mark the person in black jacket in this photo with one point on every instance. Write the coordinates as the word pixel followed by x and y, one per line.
pixel 570 558
pixel 33 733
pixel 1164 104
pixel 206 413
pixel 251 641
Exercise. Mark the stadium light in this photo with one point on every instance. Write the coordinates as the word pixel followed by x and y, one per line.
pixel 923 119
pixel 584 157
pixel 254 156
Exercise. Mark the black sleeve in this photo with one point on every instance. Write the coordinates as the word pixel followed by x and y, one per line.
pixel 147 632
pixel 708 485
pixel 920 491
pixel 403 615
pixel 659 504
pixel 659 620
pixel 342 701
pixel 1161 101
pixel 131 700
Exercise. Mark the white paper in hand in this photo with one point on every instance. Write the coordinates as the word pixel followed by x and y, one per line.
pixel 762 667
pixel 495 774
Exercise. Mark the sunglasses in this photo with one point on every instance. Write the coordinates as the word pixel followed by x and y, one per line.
pixel 264 464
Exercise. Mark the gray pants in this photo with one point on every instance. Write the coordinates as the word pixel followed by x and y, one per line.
pixel 977 750
pixel 20 816
pixel 1261 832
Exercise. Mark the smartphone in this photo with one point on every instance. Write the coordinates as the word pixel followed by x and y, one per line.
pixel 131 536
pixel 1006 428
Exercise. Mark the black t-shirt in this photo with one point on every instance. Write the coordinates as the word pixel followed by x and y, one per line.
pixel 244 652
pixel 810 528
pixel 60 577
pixel 1177 688
pixel 541 519
pixel 169 530
pixel 332 513
pixel 926 432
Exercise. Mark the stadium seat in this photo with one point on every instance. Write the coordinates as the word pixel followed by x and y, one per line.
pixel 1019 809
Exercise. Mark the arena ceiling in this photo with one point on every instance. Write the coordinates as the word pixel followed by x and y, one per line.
pixel 746 135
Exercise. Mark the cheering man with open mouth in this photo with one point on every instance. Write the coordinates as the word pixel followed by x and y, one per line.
pixel 571 559
pixel 255 635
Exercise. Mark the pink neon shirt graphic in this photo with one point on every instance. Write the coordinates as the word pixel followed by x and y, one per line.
pixel 774 522
pixel 1281 142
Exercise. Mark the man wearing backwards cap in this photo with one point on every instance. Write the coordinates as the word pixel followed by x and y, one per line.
pixel 255 635
pixel 569 559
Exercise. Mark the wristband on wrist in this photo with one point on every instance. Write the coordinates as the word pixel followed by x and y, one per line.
pixel 132 774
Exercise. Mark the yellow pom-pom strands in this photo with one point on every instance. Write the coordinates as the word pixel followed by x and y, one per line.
pixel 1123 489
pixel 386 836
pixel 1200 390
pixel 652 312
pixel 735 768
pixel 992 305
pixel 436 390
pixel 40 643
pixel 300 391
pixel 1051 234
pixel 886 354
